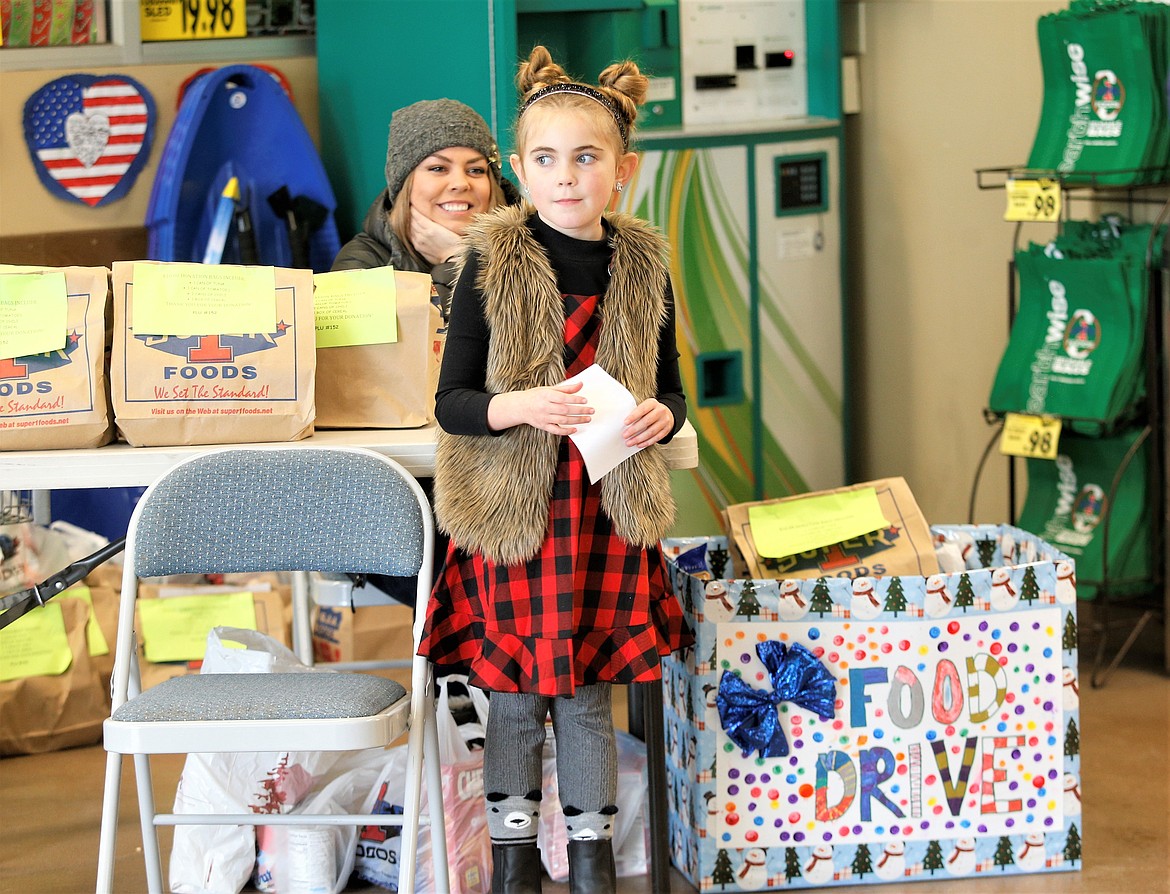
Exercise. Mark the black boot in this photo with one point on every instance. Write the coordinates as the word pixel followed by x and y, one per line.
pixel 591 867
pixel 515 869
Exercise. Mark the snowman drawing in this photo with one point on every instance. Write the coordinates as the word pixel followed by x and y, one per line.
pixel 753 874
pixel 938 600
pixel 1072 693
pixel 793 605
pixel 1072 795
pixel 962 858
pixel 1066 583
pixel 1031 856
pixel 716 604
pixel 1008 545
pixel 1003 591
pixel 864 603
pixel 892 863
pixel 819 868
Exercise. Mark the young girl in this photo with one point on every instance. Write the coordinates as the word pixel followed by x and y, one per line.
pixel 553 589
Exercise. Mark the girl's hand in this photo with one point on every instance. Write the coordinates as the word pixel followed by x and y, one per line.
pixel 650 422
pixel 558 409
pixel 431 240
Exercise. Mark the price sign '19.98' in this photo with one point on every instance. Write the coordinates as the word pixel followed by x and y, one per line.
pixel 192 19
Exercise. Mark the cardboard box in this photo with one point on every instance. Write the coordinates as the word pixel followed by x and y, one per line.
pixel 366 633
pixel 903 547
pixel 954 745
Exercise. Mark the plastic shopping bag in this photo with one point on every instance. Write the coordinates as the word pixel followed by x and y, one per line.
pixel 469 850
pixel 220 859
pixel 318 858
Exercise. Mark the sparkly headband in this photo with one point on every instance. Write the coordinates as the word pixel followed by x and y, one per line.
pixel 583 90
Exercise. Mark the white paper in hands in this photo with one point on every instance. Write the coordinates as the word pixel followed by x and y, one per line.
pixel 600 440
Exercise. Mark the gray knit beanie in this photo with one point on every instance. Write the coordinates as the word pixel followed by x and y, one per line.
pixel 423 128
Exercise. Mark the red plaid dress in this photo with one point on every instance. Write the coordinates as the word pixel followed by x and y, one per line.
pixel 587 608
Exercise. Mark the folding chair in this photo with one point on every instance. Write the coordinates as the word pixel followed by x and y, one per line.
pixel 298 509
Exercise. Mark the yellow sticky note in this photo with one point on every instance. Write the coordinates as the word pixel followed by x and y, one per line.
pixel 783 529
pixel 355 307
pixel 95 640
pixel 175 628
pixel 35 645
pixel 34 311
pixel 202 299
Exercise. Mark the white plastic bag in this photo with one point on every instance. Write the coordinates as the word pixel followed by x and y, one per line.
pixel 318 858
pixel 469 848
pixel 220 859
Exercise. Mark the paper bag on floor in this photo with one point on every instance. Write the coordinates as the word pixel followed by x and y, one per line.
pixel 48 711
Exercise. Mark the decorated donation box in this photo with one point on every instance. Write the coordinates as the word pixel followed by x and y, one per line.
pixel 843 731
pixel 212 354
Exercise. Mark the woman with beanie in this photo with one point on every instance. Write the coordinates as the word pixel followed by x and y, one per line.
pixel 442 169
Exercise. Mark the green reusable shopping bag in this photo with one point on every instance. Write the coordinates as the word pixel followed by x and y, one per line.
pixel 1074 349
pixel 1104 68
pixel 1067 502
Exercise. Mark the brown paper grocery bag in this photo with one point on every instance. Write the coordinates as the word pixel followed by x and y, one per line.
pixel 50 712
pixel 386 385
pixel 61 398
pixel 904 547
pixel 226 388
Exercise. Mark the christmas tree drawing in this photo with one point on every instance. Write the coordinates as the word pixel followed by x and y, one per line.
pixel 717 561
pixel 792 863
pixel 1072 844
pixel 933 858
pixel 749 605
pixel 721 873
pixel 1068 639
pixel 1003 853
pixel 821 600
pixel 965 595
pixel 895 597
pixel 1072 739
pixel 862 862
pixel 986 548
pixel 1029 589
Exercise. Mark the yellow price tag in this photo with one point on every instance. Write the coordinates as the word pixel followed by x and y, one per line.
pixel 1033 437
pixel 1031 200
pixel 192 19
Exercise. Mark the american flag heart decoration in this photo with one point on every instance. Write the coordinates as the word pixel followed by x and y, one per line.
pixel 89 135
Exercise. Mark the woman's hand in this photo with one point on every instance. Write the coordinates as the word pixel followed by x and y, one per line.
pixel 431 240
pixel 650 422
pixel 558 409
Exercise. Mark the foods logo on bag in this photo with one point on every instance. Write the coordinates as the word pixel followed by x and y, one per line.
pixel 207 359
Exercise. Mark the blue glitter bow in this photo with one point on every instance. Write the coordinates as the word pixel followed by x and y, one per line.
pixel 749 716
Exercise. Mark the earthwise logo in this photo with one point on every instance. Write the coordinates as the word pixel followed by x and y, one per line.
pixel 1088 507
pixel 1081 338
pixel 1107 99
pixel 1108 95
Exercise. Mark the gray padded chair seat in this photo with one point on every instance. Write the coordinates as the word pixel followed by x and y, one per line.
pixel 308 696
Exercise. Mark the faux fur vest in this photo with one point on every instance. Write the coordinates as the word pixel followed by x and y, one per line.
pixel 492 493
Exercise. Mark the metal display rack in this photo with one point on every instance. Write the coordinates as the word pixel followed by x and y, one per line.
pixel 1122 605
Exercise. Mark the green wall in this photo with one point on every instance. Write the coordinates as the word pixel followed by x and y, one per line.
pixel 374 56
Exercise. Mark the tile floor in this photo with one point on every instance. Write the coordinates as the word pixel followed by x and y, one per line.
pixel 50 806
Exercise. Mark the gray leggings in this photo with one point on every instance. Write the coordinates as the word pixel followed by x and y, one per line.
pixel 586 762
